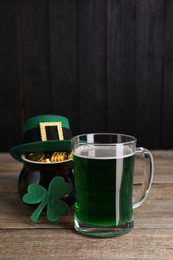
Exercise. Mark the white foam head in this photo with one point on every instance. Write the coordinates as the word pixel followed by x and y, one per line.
pixel 103 152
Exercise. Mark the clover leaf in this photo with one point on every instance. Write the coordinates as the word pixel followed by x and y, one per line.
pixel 56 207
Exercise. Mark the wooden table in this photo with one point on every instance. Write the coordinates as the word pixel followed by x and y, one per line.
pixel 151 238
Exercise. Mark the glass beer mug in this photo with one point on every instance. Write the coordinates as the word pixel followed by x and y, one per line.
pixel 103 178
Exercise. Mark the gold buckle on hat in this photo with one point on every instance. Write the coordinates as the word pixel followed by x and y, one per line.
pixel 43 130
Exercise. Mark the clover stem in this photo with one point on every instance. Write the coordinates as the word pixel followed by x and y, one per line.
pixel 35 215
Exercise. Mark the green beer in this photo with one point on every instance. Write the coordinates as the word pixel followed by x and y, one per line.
pixel 103 185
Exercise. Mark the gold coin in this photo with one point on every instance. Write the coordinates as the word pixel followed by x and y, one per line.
pixel 53 157
pixel 49 157
pixel 70 156
pixel 57 157
pixel 63 156
pixel 47 160
pixel 36 156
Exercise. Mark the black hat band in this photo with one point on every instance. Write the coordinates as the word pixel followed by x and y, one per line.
pixel 34 134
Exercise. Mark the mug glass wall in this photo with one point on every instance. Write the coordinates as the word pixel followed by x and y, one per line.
pixel 103 176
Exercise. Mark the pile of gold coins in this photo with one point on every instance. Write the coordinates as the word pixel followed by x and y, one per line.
pixel 49 157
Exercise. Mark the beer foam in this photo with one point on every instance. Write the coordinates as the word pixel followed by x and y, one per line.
pixel 103 152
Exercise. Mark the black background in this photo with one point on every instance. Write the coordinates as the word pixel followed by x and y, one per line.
pixel 107 65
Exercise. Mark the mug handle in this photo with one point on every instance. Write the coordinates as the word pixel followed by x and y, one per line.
pixel 148 176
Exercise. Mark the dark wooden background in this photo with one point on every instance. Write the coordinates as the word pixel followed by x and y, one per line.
pixel 105 64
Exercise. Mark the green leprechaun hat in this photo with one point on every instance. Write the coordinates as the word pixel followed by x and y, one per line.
pixel 44 133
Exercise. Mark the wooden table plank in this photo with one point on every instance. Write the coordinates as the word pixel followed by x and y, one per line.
pixel 151 238
pixel 64 244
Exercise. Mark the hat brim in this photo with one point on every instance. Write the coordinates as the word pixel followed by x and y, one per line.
pixel 46 146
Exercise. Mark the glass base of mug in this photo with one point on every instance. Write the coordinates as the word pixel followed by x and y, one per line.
pixel 105 231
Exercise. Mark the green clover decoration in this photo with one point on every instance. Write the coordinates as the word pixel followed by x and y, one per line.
pixel 56 208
